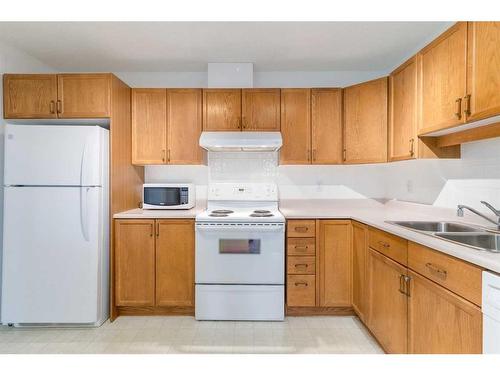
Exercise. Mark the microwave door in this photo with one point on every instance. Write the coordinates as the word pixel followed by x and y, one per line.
pixel 162 196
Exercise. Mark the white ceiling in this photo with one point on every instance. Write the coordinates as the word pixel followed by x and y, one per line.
pixel 189 46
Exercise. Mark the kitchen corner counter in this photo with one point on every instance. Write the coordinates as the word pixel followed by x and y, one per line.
pixel 139 213
pixel 375 214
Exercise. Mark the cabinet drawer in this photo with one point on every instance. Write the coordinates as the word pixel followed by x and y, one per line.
pixel 301 290
pixel 454 274
pixel 301 265
pixel 301 228
pixel 391 246
pixel 301 246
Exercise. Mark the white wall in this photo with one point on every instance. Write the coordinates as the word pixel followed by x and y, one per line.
pixel 12 61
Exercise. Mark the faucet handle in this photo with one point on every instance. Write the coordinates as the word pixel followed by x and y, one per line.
pixel 495 211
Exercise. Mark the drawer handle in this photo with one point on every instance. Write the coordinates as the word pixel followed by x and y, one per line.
pixel 301 265
pixel 301 247
pixel 301 229
pixel 436 270
pixel 301 283
pixel 384 244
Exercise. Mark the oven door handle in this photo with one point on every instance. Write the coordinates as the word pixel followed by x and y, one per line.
pixel 239 228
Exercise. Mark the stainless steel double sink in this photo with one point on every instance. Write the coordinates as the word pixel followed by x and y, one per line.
pixel 464 234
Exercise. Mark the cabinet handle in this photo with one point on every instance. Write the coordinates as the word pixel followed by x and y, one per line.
pixel 467 105
pixel 407 280
pixel 59 106
pixel 163 155
pixel 458 112
pixel 344 154
pixel 402 284
pixel 301 283
pixel 436 270
pixel 244 122
pixel 412 143
pixel 52 107
pixel 301 229
pixel 168 155
pixel 151 230
pixel 301 265
pixel 239 123
pixel 384 244
pixel 301 247
pixel 157 229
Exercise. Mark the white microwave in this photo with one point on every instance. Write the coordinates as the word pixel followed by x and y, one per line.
pixel 168 196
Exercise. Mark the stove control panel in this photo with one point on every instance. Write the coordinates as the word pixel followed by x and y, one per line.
pixel 243 191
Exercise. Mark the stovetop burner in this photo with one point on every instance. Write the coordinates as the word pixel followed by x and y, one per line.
pixel 215 214
pixel 225 212
pixel 261 214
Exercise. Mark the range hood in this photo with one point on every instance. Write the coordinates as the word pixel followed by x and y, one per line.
pixel 241 141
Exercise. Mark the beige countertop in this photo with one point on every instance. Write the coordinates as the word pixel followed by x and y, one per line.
pixel 367 211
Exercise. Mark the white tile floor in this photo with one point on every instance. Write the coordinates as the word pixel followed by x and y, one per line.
pixel 186 335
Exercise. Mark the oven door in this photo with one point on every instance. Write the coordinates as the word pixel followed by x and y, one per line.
pixel 240 253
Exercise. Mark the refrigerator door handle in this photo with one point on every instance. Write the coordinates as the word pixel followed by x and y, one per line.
pixel 84 218
pixel 85 167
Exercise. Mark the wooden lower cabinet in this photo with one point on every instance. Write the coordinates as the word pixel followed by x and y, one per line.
pixel 134 262
pixel 154 263
pixel 388 304
pixel 175 263
pixel 359 260
pixel 441 322
pixel 334 263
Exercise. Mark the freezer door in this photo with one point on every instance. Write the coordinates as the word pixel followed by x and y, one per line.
pixel 51 262
pixel 54 155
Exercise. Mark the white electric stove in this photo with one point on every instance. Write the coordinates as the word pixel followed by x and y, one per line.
pixel 240 254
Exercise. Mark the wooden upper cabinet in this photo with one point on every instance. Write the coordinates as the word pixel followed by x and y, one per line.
pixel 483 73
pixel 326 124
pixel 222 109
pixel 175 263
pixel 296 126
pixel 149 130
pixel 387 304
pixel 29 95
pixel 335 263
pixel 184 125
pixel 403 138
pixel 84 95
pixel 442 80
pixel 440 322
pixel 134 262
pixel 359 260
pixel 260 109
pixel 365 122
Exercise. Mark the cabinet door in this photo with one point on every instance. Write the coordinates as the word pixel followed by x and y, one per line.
pixel 83 95
pixel 335 263
pixel 175 263
pixel 149 126
pixel 222 109
pixel 134 263
pixel 440 322
pixel 296 126
pixel 483 78
pixel 365 122
pixel 261 109
pixel 442 76
pixel 184 124
pixel 403 111
pixel 359 259
pixel 326 124
pixel 388 303
pixel 29 95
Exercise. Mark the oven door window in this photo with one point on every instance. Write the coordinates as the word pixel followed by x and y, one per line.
pixel 239 246
pixel 162 196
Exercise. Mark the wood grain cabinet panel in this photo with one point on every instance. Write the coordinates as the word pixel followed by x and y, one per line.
pixel 365 122
pixel 184 126
pixel 134 248
pixel 84 95
pixel 301 246
pixel 335 263
pixel 326 126
pixel 301 290
pixel 29 95
pixel 483 70
pixel 296 126
pixel 440 322
pixel 388 305
pixel 359 260
pixel 301 265
pixel 260 109
pixel 442 80
pixel 222 109
pixel 388 244
pixel 175 263
pixel 149 130
pixel 301 228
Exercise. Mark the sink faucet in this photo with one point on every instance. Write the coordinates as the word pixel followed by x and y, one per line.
pixel 461 207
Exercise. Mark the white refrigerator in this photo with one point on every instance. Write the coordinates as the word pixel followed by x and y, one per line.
pixel 56 225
